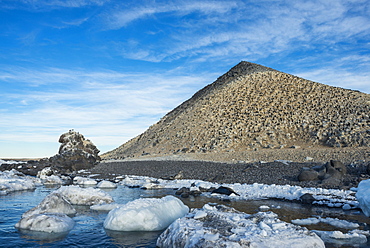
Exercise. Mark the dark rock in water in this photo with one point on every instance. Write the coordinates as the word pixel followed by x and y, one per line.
pixel 186 192
pixel 182 190
pixel 224 191
pixel 308 175
pixel 368 169
pixel 307 198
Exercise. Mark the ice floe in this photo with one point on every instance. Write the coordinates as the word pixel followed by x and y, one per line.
pixel 14 181
pixel 331 221
pixel 51 223
pixel 221 226
pixel 146 214
pixel 84 196
pixel 351 239
pixel 363 196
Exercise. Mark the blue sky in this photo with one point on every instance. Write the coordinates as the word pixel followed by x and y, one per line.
pixel 110 69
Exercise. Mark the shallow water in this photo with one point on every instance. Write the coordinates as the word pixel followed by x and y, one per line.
pixel 89 230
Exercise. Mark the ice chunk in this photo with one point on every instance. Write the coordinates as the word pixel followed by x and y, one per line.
pixel 227 227
pixel 84 181
pixel 53 179
pixel 107 185
pixel 146 214
pixel 51 223
pixel 84 196
pixel 363 196
pixel 53 203
pixel 263 208
pixel 200 214
pixel 15 181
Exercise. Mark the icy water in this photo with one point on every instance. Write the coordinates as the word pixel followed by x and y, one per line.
pixel 89 230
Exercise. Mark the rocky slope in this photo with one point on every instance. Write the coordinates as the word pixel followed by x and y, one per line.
pixel 252 107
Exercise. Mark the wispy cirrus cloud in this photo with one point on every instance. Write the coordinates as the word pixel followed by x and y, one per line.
pixel 235 29
pixel 121 18
pixel 50 4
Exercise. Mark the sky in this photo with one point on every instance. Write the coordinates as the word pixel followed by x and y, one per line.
pixel 109 69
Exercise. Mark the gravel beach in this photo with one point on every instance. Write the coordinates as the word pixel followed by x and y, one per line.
pixel 268 166
pixel 280 173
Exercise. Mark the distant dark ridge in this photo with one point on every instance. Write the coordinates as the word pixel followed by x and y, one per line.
pixel 251 107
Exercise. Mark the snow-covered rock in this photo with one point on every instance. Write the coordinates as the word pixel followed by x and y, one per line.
pixel 363 196
pixel 14 181
pixel 47 171
pixel 53 203
pixel 51 223
pixel 225 227
pixel 84 196
pixel 106 185
pixel 146 214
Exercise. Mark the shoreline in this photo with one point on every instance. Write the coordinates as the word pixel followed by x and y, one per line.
pixel 277 172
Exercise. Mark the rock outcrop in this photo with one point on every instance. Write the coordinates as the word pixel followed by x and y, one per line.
pixel 75 153
pixel 331 173
pixel 252 107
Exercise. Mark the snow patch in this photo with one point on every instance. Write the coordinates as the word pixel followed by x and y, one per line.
pixel 328 197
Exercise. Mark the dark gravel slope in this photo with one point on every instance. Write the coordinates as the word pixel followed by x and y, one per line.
pixel 268 173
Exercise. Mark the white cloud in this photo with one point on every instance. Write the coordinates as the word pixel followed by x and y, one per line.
pixel 108 107
pixel 340 78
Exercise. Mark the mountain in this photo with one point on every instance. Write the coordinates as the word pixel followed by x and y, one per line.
pixel 251 107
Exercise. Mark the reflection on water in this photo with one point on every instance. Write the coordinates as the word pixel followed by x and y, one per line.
pixel 89 230
pixel 130 239
pixel 41 237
